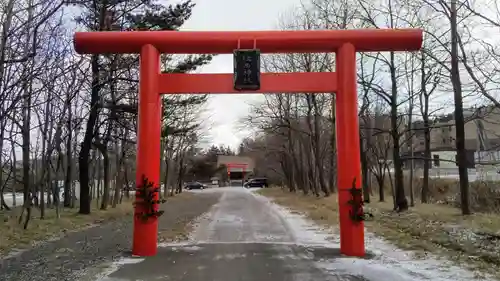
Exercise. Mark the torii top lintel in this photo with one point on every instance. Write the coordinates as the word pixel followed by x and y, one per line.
pixel 225 42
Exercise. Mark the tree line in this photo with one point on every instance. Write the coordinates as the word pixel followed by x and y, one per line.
pixel 401 96
pixel 68 122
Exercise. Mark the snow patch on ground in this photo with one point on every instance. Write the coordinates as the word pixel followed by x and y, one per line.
pixel 205 224
pixel 254 189
pixel 175 244
pixel 198 226
pixel 389 263
pixel 303 231
pixel 185 247
pixel 104 276
pixel 212 189
pixel 230 257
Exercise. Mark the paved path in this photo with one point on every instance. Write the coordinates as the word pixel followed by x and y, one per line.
pixel 242 239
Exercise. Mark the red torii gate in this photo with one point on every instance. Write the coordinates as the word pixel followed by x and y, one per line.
pixel 235 165
pixel 153 83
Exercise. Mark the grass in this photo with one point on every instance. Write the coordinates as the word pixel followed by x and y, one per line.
pixel 14 237
pixel 473 240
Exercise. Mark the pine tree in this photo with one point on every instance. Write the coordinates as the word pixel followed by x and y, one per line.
pixel 115 71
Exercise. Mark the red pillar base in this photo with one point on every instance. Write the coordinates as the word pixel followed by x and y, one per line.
pixel 145 237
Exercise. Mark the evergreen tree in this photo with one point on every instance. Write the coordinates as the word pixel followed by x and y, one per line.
pixel 112 74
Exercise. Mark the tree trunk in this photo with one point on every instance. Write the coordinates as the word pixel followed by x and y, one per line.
pixel 401 201
pixel 424 109
pixel 166 159
pixel 459 114
pixel 74 184
pixel 106 178
pixel 7 22
pixel 410 144
pixel 333 144
pixel 14 169
pixel 317 147
pixel 120 156
pixel 427 160
pixel 381 193
pixel 364 170
pixel 3 205
pixel 69 157
pixel 180 175
pixel 84 156
pixel 27 113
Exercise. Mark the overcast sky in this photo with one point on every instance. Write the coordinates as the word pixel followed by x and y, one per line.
pixel 224 111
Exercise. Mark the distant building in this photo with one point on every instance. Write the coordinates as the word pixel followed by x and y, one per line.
pixel 482 138
pixel 482 131
pixel 247 163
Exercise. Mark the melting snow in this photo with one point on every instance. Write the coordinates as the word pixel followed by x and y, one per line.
pixel 389 263
pixel 230 256
pixel 185 248
pixel 104 276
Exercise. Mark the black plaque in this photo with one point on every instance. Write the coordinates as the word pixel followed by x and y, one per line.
pixel 247 70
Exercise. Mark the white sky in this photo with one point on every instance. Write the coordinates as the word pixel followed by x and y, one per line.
pixel 225 111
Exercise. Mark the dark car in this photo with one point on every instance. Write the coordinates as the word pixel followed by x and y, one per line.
pixel 258 182
pixel 194 185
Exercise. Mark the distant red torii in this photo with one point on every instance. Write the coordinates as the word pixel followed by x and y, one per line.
pixel 345 43
pixel 236 165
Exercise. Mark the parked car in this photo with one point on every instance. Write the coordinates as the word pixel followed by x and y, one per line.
pixel 257 182
pixel 194 185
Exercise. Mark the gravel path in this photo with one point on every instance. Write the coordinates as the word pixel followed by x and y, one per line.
pixel 63 259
